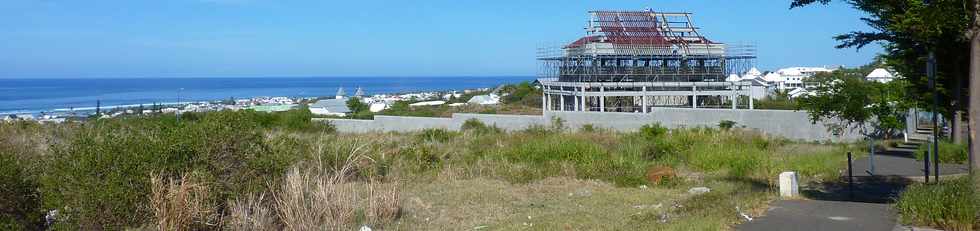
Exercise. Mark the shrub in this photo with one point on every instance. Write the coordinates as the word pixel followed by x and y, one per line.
pixel 436 135
pixel 587 128
pixel 20 203
pixel 726 125
pixel 951 204
pixel 652 130
pixel 546 156
pixel 949 152
pixel 557 124
pixel 474 125
pixel 103 173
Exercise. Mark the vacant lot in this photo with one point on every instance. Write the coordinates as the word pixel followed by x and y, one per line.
pixel 247 170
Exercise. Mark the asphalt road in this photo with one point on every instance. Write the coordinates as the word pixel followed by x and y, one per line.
pixel 823 215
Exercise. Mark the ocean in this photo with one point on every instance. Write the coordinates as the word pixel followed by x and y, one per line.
pixel 47 95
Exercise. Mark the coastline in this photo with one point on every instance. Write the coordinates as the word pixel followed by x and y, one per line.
pixel 44 96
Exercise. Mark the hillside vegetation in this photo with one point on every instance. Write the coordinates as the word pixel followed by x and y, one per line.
pixel 254 171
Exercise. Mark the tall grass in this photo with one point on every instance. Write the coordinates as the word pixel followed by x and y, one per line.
pixel 181 204
pixel 949 152
pixel 309 201
pixel 952 204
pixel 250 213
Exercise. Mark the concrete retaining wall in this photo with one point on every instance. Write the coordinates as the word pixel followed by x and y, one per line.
pixel 789 124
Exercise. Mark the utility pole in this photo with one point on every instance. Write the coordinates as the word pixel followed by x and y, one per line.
pixel 178 104
pixel 974 92
pixel 931 73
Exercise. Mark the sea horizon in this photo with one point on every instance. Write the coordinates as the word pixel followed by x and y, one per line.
pixel 39 95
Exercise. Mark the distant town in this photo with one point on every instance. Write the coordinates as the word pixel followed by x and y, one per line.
pixel 321 106
pixel 791 81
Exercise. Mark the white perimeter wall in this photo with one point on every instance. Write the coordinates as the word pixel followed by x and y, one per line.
pixel 782 123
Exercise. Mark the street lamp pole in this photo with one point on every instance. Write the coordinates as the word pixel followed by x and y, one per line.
pixel 178 104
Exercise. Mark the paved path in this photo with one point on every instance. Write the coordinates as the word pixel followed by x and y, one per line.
pixel 901 162
pixel 835 206
pixel 824 215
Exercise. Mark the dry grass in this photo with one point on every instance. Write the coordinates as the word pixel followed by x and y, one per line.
pixel 308 201
pixel 558 203
pixel 325 197
pixel 250 214
pixel 384 204
pixel 181 204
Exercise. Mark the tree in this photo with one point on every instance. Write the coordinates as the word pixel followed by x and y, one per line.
pixel 913 28
pixel 356 106
pixel 851 102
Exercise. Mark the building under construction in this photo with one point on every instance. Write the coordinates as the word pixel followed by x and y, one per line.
pixel 633 61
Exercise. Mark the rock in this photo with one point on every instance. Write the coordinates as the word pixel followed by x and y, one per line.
pixel 698 190
pixel 643 186
pixel 657 174
pixel 51 217
pixel 789 186
pixel 365 228
pixel 740 213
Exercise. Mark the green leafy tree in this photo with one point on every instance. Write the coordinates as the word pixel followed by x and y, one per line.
pixel 849 102
pixel 356 106
pixel 908 30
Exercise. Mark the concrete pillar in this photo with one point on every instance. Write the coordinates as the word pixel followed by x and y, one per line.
pixel 643 100
pixel 562 101
pixel 734 96
pixel 576 102
pixel 789 187
pixel 694 95
pixel 584 108
pixel 751 105
pixel 602 99
pixel 544 99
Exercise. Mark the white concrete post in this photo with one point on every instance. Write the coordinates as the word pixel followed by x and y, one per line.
pixel 602 99
pixel 583 99
pixel 789 187
pixel 562 101
pixel 694 95
pixel 576 102
pixel 544 99
pixel 643 99
pixel 751 104
pixel 549 104
pixel 734 96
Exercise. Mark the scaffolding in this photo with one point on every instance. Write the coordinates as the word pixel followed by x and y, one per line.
pixel 633 61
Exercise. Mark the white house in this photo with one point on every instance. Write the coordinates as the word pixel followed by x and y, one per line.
pixel 485 99
pixel 880 75
pixel 333 107
pixel 428 103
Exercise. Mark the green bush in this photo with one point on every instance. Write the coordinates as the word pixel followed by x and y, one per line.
pixel 949 152
pixel 652 130
pixel 102 174
pixel 522 93
pixel 547 154
pixel 20 202
pixel 474 125
pixel 726 125
pixel 588 128
pixel 436 135
pixel 951 204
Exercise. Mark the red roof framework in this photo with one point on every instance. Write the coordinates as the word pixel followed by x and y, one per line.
pixel 640 28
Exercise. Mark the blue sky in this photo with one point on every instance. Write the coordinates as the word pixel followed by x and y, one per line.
pixel 265 38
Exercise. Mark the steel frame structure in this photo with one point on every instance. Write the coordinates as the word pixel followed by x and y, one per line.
pixel 633 61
